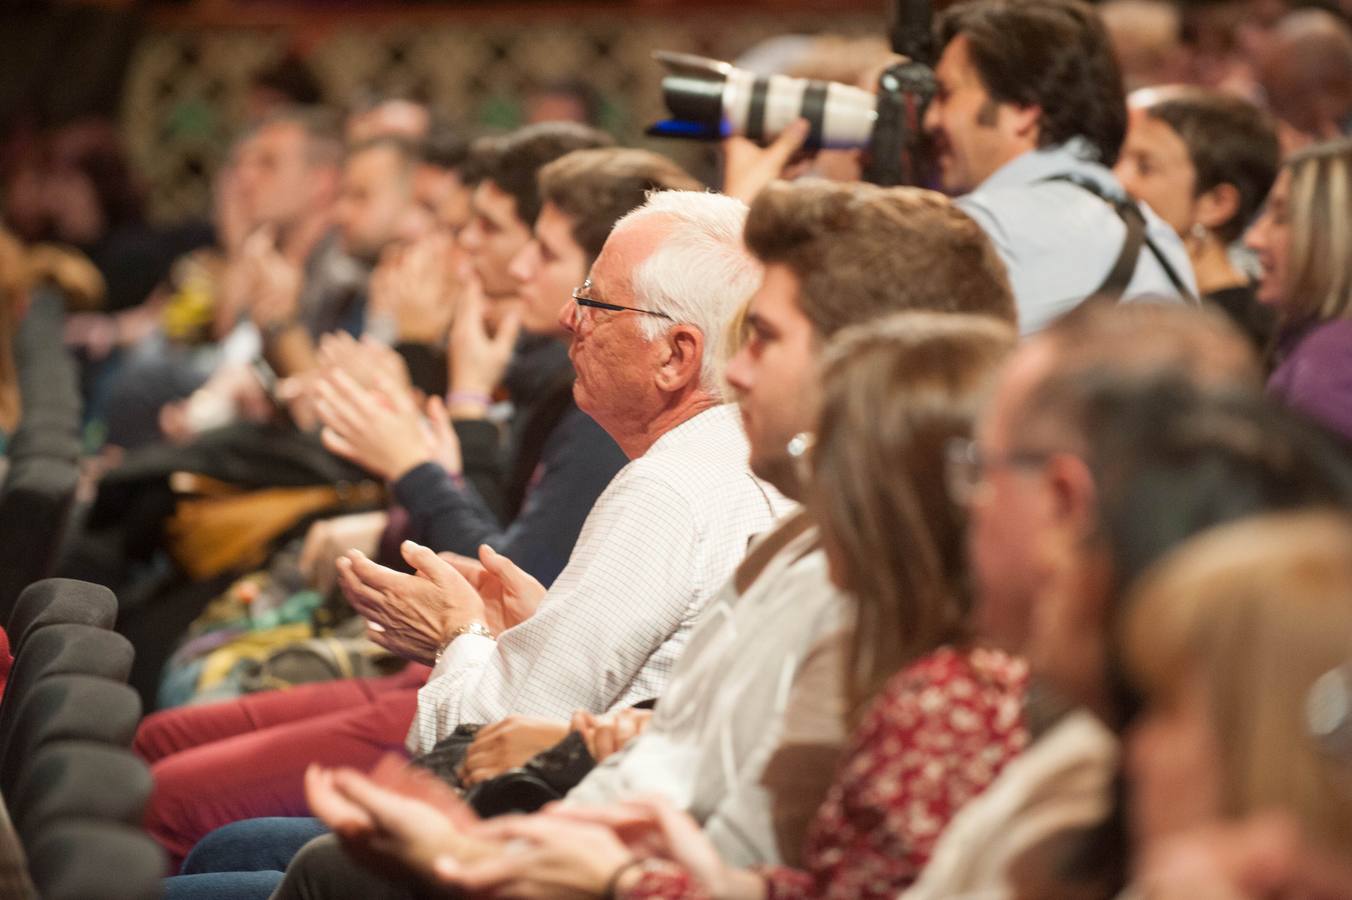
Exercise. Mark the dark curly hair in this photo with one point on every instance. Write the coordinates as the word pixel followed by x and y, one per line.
pixel 1053 54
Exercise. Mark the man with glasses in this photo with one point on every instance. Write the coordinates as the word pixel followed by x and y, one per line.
pixel 1032 482
pixel 730 742
pixel 668 530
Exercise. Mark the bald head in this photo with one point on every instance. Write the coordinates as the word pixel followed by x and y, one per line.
pixel 1126 342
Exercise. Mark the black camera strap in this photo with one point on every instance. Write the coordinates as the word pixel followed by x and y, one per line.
pixel 1119 276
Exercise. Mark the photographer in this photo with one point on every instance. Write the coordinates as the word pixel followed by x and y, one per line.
pixel 1028 116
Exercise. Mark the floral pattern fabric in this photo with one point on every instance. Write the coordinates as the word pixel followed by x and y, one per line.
pixel 934 738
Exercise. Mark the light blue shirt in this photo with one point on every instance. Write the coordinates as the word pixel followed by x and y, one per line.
pixel 1059 241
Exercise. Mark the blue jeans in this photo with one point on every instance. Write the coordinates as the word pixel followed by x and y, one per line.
pixel 243 860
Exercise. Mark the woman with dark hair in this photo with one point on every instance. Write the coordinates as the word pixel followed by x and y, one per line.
pixel 1204 160
pixel 1304 243
pixel 935 716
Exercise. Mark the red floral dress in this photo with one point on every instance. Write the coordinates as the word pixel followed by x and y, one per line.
pixel 934 738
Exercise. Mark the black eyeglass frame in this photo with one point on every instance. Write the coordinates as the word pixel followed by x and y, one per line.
pixel 582 299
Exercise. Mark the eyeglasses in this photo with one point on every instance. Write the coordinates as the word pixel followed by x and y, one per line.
pixel 965 466
pixel 581 299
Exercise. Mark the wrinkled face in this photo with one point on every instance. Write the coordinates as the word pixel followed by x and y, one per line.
pixel 1174 760
pixel 972 133
pixel 1155 167
pixel 547 269
pixel 1270 239
pixel 275 181
pixel 375 203
pixel 1010 512
pixel 615 362
pixel 494 235
pixel 775 377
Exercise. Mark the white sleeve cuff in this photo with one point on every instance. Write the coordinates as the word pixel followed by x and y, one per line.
pixel 465 652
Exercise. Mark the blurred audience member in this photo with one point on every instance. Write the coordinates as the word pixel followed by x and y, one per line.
pixel 205 758
pixel 1205 161
pixel 565 101
pixel 1306 73
pixel 1303 244
pixel 286 82
pixel 1147 39
pixel 1240 643
pixel 394 117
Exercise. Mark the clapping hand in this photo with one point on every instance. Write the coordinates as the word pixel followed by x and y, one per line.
pixel 510 594
pixel 415 615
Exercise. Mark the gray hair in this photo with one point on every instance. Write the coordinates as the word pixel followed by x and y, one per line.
pixel 699 275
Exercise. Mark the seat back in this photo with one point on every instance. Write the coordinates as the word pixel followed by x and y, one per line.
pixel 54 601
pixel 62 650
pixel 69 707
pixel 79 779
pixel 79 859
pixel 35 504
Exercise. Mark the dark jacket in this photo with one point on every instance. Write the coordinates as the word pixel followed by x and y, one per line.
pixel 558 462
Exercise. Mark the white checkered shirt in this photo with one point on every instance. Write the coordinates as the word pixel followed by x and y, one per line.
pixel 662 538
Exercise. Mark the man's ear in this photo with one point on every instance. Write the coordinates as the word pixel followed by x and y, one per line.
pixel 1073 495
pixel 681 360
pixel 1218 205
pixel 1025 121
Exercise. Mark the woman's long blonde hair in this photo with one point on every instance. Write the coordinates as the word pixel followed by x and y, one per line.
pixel 1319 274
pixel 895 392
pixel 1260 609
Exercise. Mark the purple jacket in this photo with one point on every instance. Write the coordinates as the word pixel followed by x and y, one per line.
pixel 1315 374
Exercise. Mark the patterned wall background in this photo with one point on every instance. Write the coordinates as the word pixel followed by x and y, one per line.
pixel 185 89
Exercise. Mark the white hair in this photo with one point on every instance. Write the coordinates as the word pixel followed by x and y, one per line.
pixel 700 274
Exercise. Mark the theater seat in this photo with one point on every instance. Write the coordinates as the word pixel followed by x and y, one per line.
pixel 56 601
pixel 62 650
pixel 79 779
pixel 91 860
pixel 69 707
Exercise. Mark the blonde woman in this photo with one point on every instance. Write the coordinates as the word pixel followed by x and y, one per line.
pixel 1231 640
pixel 1304 243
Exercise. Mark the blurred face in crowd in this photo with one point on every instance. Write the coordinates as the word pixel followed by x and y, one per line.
pixel 494 235
pixel 1010 510
pixel 973 134
pixel 278 185
pixel 453 209
pixel 1155 167
pixel 775 376
pixel 390 118
pixel 441 197
pixel 1174 761
pixel 614 360
pixel 375 203
pixel 1270 239
pixel 547 269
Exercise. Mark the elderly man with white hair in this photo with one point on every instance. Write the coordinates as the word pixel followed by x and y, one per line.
pixel 664 536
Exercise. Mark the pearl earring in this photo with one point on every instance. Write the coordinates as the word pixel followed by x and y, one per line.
pixel 1199 231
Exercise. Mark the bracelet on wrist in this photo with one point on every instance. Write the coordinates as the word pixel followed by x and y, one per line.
pixel 478 628
pixel 468 398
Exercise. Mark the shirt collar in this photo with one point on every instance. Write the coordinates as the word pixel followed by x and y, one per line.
pixel 714 418
pixel 1076 155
